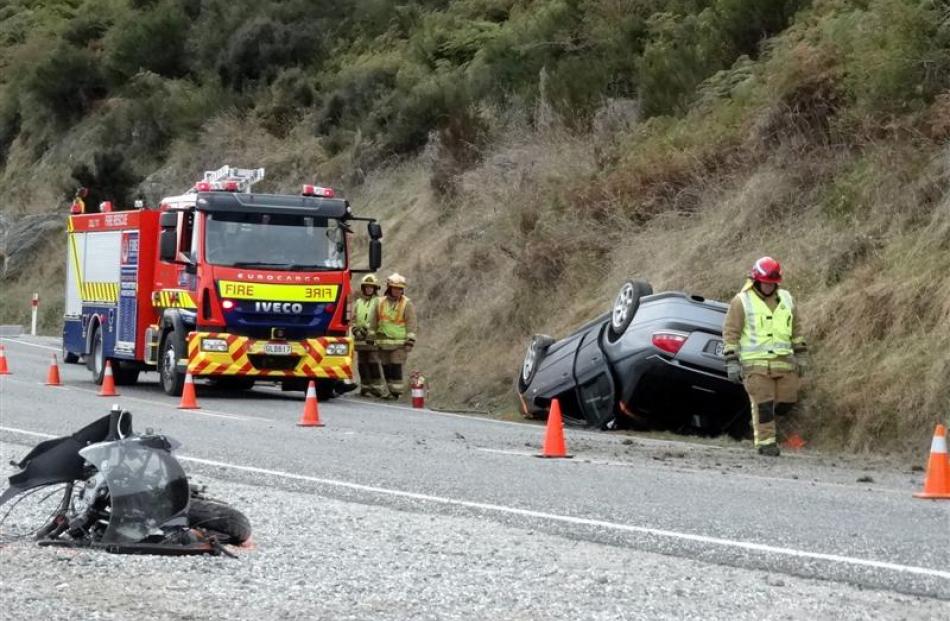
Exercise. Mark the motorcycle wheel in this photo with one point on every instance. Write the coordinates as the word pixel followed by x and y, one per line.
pixel 220 517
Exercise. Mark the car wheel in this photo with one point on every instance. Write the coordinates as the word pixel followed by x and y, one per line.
pixel 173 380
pixel 539 344
pixel 625 307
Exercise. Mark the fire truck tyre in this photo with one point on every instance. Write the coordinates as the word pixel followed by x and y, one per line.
pixel 69 357
pixel 124 376
pixel 234 383
pixel 625 307
pixel 173 380
pixel 325 391
pixel 221 518
pixel 96 362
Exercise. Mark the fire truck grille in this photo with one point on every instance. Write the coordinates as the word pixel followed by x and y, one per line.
pixel 264 362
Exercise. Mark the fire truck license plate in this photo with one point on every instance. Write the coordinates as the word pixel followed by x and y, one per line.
pixel 277 349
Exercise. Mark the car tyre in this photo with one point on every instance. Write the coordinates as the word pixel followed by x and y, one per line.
pixel 532 358
pixel 625 307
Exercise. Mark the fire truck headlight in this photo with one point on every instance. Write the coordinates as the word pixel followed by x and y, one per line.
pixel 219 345
pixel 338 349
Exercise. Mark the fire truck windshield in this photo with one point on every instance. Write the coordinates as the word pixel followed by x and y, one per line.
pixel 281 242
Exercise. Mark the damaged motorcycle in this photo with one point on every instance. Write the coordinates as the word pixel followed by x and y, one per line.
pixel 124 493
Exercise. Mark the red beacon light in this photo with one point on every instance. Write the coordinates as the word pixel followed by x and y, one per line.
pixel 230 186
pixel 316 190
pixel 203 186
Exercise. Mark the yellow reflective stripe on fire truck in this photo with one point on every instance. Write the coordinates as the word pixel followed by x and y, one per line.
pixel 277 293
pixel 173 298
pixel 247 357
pixel 99 291
pixel 74 257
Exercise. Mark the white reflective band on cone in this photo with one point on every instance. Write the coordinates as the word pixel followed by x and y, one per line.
pixel 939 445
pixel 311 391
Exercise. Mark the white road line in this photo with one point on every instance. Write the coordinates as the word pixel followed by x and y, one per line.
pixel 5 339
pixel 119 398
pixel 566 519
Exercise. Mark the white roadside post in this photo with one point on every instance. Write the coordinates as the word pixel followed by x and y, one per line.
pixel 36 305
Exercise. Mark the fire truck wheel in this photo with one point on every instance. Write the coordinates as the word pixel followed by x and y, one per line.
pixel 69 357
pixel 234 383
pixel 96 361
pixel 125 376
pixel 325 391
pixel 173 380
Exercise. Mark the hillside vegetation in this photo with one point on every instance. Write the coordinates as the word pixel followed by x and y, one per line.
pixel 526 157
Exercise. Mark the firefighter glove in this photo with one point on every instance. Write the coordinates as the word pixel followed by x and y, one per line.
pixel 359 333
pixel 410 343
pixel 734 369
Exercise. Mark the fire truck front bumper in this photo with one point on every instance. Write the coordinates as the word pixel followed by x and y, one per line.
pixel 212 354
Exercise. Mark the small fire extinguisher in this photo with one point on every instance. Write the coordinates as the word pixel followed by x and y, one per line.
pixel 417 384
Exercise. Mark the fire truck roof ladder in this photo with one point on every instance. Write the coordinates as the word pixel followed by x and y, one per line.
pixel 245 177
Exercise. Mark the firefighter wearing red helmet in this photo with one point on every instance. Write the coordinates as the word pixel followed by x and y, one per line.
pixel 765 350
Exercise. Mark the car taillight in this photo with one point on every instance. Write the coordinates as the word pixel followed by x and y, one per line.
pixel 227 304
pixel 669 341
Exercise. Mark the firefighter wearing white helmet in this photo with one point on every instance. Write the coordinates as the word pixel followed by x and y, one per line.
pixel 395 331
pixel 368 363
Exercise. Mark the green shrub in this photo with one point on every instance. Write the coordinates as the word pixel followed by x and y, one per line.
pixel 149 41
pixel 108 179
pixel 260 48
pixel 65 83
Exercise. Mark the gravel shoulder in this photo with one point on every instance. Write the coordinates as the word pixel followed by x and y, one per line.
pixel 317 557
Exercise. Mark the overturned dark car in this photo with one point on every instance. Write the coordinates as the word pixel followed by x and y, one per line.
pixel 654 361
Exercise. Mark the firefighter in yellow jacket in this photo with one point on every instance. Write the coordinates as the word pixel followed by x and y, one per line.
pixel 367 352
pixel 764 348
pixel 395 330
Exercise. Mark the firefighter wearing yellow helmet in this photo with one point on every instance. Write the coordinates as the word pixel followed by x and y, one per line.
pixel 395 330
pixel 367 352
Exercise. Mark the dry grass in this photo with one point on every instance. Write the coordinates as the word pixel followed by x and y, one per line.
pixel 528 243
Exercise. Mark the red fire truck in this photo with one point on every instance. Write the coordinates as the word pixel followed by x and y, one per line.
pixel 221 282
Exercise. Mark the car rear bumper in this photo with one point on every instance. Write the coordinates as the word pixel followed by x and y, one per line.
pixel 658 388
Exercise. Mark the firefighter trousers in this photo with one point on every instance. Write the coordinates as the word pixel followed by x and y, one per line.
pixel 394 360
pixel 772 393
pixel 371 372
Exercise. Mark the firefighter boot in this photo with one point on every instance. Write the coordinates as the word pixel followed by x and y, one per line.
pixel 394 380
pixel 376 387
pixel 365 378
pixel 763 421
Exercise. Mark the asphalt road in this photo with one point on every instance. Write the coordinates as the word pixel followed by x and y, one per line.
pixel 632 527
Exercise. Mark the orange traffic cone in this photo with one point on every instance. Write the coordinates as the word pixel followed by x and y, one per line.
pixel 4 369
pixel 554 435
pixel 311 410
pixel 52 378
pixel 108 382
pixel 188 399
pixel 937 481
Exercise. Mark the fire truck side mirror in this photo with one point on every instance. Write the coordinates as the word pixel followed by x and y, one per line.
pixel 375 230
pixel 375 254
pixel 167 243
